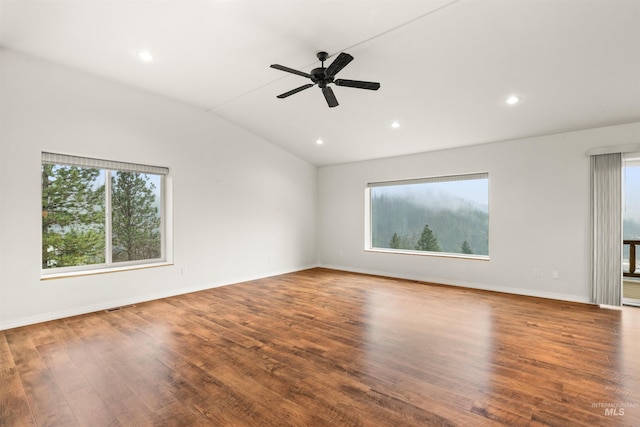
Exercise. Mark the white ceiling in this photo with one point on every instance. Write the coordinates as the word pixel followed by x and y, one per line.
pixel 445 66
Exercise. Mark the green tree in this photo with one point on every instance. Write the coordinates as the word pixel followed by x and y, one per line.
pixel 395 241
pixel 428 242
pixel 465 248
pixel 407 217
pixel 135 220
pixel 72 216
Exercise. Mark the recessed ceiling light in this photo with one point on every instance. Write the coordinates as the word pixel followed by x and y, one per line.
pixel 395 125
pixel 319 141
pixel 145 56
pixel 513 99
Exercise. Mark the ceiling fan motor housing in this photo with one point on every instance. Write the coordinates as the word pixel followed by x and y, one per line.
pixel 318 76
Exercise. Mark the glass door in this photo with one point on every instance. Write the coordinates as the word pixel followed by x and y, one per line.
pixel 631 231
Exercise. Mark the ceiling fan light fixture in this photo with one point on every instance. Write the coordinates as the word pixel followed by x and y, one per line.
pixel 395 125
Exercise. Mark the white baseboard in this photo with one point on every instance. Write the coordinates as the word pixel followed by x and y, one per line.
pixel 45 317
pixel 480 286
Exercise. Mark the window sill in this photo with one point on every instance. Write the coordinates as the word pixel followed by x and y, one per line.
pixel 431 254
pixel 67 274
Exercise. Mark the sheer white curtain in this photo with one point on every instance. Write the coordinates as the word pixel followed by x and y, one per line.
pixel 606 224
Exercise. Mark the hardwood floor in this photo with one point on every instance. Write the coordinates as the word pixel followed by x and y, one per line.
pixel 325 348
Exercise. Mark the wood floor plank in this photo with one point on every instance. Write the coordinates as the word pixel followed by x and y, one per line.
pixel 14 407
pixel 107 384
pixel 322 347
pixel 89 409
pixel 65 372
pixel 130 411
pixel 44 397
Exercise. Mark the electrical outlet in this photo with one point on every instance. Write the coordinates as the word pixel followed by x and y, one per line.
pixel 555 274
pixel 536 272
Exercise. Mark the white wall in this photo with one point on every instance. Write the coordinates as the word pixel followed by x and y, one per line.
pixel 538 213
pixel 242 208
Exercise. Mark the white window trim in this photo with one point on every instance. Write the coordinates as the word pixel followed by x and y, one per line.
pixel 102 270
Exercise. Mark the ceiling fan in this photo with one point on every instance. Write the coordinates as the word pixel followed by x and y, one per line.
pixel 322 77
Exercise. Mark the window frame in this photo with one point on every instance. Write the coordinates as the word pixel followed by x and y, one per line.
pixel 108 167
pixel 368 221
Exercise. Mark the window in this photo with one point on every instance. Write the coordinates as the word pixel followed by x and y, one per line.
pixel 447 215
pixel 100 214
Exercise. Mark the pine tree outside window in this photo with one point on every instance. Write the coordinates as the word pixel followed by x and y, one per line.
pixel 99 214
pixel 437 216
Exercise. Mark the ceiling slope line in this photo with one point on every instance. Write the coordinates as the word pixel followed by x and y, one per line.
pixel 374 37
pixel 399 26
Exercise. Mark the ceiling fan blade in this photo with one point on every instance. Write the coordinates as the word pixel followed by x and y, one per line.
pixel 329 96
pixel 357 84
pixel 296 90
pixel 338 64
pixel 290 70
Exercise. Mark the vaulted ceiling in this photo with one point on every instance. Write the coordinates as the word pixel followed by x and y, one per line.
pixel 446 67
